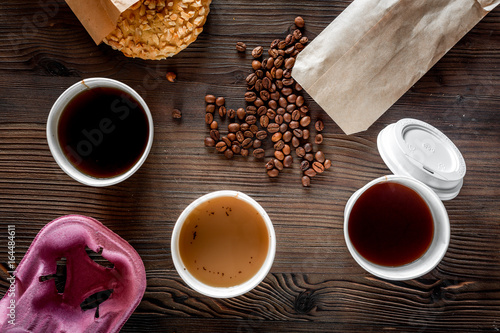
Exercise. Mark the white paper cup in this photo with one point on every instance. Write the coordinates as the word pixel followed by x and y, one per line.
pixel 222 292
pixel 53 140
pixel 437 249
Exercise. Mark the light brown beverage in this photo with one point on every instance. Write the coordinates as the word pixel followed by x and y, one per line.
pixel 224 242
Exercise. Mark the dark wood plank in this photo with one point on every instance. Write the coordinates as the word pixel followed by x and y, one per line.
pixel 314 284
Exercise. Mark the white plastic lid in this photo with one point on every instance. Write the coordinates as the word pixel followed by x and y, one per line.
pixel 416 149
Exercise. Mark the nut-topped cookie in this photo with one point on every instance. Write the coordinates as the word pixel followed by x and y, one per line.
pixel 157 29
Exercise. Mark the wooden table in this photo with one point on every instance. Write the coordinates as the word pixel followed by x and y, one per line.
pixel 314 284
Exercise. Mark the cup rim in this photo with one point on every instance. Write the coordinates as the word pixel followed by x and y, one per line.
pixel 222 292
pixel 434 254
pixel 53 140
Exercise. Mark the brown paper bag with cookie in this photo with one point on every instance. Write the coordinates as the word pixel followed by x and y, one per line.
pixel 375 50
pixel 148 29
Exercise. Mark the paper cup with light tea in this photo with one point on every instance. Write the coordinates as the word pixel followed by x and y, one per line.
pixel 223 244
pixel 100 131
pixel 397 227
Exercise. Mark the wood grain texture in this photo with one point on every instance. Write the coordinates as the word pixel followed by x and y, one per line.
pixel 314 284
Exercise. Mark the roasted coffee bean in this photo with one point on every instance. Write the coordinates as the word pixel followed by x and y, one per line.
pixel 327 164
pixel 220 101
pixel 287 136
pixel 319 126
pixel 251 119
pixel 210 99
pixel 319 156
pixel 244 152
pixel 241 113
pixel 318 139
pixel 318 167
pixel 228 153
pixel 214 125
pixel 299 101
pixel 270 63
pixel 236 149
pixel 298 133
pixel 283 128
pixel 176 114
pixel 278 119
pixel 271 114
pixel 259 73
pixel 295 114
pixel 298 87
pixel 209 118
pixel 274 43
pixel 239 136
pixel 306 181
pixel 287 117
pixel 241 47
pixel 215 135
pixel 210 108
pixel 222 111
pixel 209 142
pixel 286 91
pixel 264 95
pixel 279 74
pixel 233 127
pixel 279 145
pixel 231 113
pixel 273 128
pixel 261 135
pixel 261 110
pixel 258 102
pixel 288 81
pixel 288 161
pixel 297 34
pixel 270 164
pixel 278 164
pixel 286 149
pixel 273 173
pixel 248 134
pixel 289 63
pixel 294 124
pixel 306 134
pixel 273 104
pixel 308 147
pixel 259 153
pixel 251 79
pixel 256 65
pixel 291 98
pixel 264 121
pixel 272 52
pixel 221 146
pixel 295 142
pixel 279 155
pixel 290 50
pixel 282 102
pixel 305 121
pixel 279 62
pixel 250 96
pixel 276 137
pixel 289 39
pixel 299 46
pixel 251 110
pixel 304 110
pixel 280 111
pixel 281 45
pixel 299 22
pixel 310 172
pixel 290 108
pixel 257 52
pixel 247 143
pixel 309 157
pixel 264 64
pixel 257 143
pixel 227 140
pixel 244 127
pixel 300 152
pixel 304 165
pixel 266 83
pixel 304 40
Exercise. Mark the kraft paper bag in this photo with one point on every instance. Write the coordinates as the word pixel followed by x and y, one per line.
pixel 99 17
pixel 375 50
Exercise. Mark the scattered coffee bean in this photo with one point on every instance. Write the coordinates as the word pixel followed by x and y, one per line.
pixel 176 114
pixel 306 181
pixel 210 98
pixel 319 126
pixel 327 164
pixel 209 142
pixel 304 165
pixel 241 47
pixel 288 161
pixel 318 167
pixel 318 139
pixel 299 22
pixel 310 172
pixel 233 127
pixel 171 76
pixel 257 52
pixel 221 146
pixel 273 173
pixel 259 153
pixel 228 153
pixel 209 118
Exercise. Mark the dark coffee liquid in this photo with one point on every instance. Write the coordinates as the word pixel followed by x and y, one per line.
pixel 103 132
pixel 390 225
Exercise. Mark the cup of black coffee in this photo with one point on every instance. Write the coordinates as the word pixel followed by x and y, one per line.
pixel 100 131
